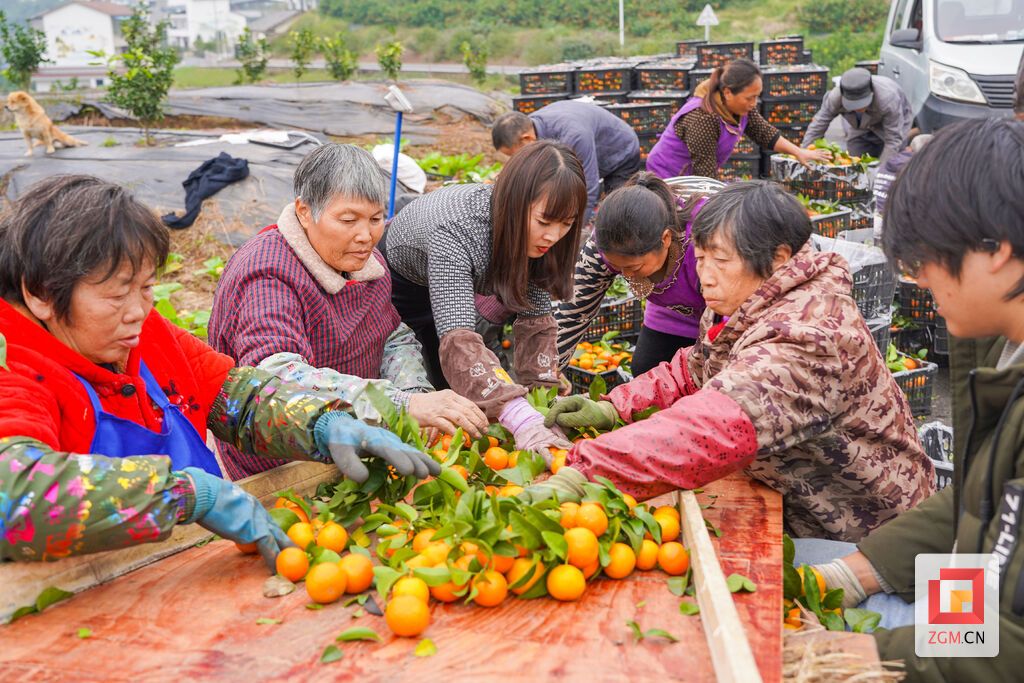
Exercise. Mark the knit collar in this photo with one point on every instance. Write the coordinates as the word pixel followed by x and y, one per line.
pixel 327 277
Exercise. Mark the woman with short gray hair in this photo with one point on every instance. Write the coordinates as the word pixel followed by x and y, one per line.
pixel 309 299
pixel 785 383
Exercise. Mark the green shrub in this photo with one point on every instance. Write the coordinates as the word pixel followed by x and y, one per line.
pixel 342 63
pixel 22 48
pixel 823 16
pixel 389 56
pixel 253 56
pixel 839 51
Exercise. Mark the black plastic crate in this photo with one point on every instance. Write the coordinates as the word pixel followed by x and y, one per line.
pixel 644 118
pixel 940 343
pixel 916 303
pixel 675 98
pixel 688 48
pixel 843 184
pixel 793 132
pixel 790 112
pixel 869 64
pixel 937 439
pixel 582 379
pixel 527 104
pixel 873 289
pixel 781 51
pixel 911 340
pixel 665 75
pixel 625 316
pixel 698 75
pixel 745 148
pixel 713 55
pixel 647 142
pixel 830 224
pixel 740 169
pixel 917 386
pixel 881 332
pixel 794 83
pixel 547 80
pixel 612 78
pixel 603 99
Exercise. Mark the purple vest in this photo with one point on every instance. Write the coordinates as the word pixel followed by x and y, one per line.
pixel 671 157
pixel 678 309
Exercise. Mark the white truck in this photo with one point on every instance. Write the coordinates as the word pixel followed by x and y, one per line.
pixel 955 59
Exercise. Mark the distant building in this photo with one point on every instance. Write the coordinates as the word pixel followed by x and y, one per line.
pixel 273 23
pixel 210 21
pixel 72 31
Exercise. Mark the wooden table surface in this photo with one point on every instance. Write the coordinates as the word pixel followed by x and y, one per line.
pixel 193 616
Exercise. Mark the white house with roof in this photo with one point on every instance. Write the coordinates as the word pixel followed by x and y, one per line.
pixel 206 20
pixel 72 31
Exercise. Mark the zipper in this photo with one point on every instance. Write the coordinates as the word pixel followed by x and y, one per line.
pixel 960 472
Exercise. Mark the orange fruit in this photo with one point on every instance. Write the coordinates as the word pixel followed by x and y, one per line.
pixel 630 500
pixel 439 455
pixel 519 568
pixel 510 490
pixel 301 534
pixel 566 582
pixel 411 585
pixel 462 471
pixel 491 588
pixel 669 526
pixel 332 536
pixel 647 559
pixel 294 507
pixel 358 572
pixel 491 490
pixel 421 540
pixel 569 511
pixel 623 561
pixel 499 563
pixel 419 562
pixel 793 617
pixel 496 458
pixel 591 516
pixel 592 569
pixel 292 564
pixel 506 344
pixel 325 582
pixel 247 548
pixel 445 592
pixel 583 547
pixel 513 459
pixel 436 553
pixel 667 510
pixel 817 575
pixel 491 441
pixel 407 615
pixel 557 463
pixel 673 558
pixel 446 442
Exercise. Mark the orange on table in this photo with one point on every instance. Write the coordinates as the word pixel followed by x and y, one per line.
pixel 437 552
pixel 301 534
pixel 247 548
pixel 292 564
pixel 332 536
pixel 294 507
pixel 407 616
pixel 358 572
pixel 673 558
pixel 622 563
pixel 422 539
pixel 499 563
pixel 582 545
pixel 566 582
pixel 496 458
pixel 569 511
pixel 325 582
pixel 445 592
pixel 591 516
pixel 647 559
pixel 630 501
pixel 669 526
pixel 518 570
pixel 411 585
pixel 491 587
pixel 592 569
pixel 667 510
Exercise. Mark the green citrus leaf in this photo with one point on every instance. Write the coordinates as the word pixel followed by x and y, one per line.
pixel 263 621
pixel 688 608
pixel 358 633
pixel 331 654
pixel 84 633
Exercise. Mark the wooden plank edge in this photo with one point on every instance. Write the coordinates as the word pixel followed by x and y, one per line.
pixel 22 582
pixel 731 654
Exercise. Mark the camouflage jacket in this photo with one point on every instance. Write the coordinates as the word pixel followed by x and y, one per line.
pixel 797 367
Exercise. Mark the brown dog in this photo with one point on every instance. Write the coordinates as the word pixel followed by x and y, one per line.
pixel 36 125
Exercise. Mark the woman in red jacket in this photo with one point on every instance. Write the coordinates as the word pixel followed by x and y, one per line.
pixel 104 405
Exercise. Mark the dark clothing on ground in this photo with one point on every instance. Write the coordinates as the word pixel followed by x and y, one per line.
pixel 213 175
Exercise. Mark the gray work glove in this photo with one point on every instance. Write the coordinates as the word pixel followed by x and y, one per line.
pixel 343 439
pixel 566 485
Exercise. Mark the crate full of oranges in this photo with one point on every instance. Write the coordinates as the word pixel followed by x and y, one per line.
pixel 608 358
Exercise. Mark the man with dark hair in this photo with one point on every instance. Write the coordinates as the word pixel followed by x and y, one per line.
pixel 605 144
pixel 955 221
pixel 875 111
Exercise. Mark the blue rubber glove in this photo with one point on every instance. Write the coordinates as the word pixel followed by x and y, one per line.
pixel 344 439
pixel 225 509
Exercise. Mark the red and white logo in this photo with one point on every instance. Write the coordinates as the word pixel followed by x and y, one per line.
pixel 957 596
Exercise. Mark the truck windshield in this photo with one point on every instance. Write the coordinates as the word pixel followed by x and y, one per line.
pixel 979 21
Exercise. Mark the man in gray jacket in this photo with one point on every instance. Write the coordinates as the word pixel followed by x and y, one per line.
pixel 606 145
pixel 875 110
